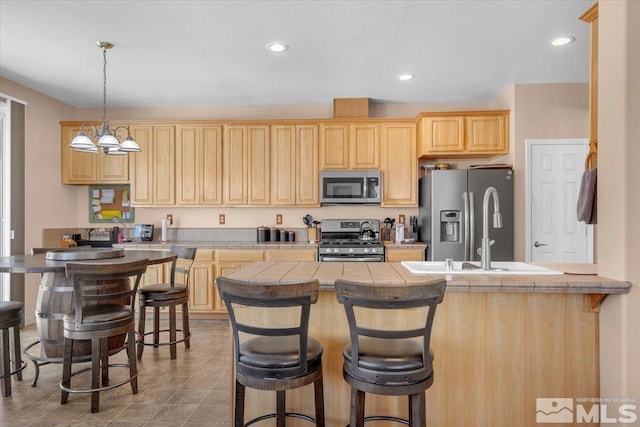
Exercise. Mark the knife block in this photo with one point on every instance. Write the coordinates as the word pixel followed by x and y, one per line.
pixel 313 234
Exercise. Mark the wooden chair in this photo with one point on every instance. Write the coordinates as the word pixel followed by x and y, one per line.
pixel 169 295
pixel 11 314
pixel 275 358
pixel 104 301
pixel 390 359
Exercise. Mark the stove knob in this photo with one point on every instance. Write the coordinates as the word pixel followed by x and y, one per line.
pixel 374 250
pixel 366 250
pixel 336 250
pixel 328 250
pixel 351 250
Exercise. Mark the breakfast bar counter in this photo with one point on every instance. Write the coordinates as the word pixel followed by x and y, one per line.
pixel 499 342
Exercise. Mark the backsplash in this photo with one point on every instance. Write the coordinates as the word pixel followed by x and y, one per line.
pixel 51 237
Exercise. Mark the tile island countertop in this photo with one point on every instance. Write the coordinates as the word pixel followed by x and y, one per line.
pixel 395 273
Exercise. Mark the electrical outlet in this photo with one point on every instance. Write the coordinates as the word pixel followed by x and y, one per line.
pixel 170 219
pixel 401 219
pixel 278 219
pixel 221 219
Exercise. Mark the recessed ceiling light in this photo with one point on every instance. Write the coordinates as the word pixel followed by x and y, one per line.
pixel 278 47
pixel 406 76
pixel 561 41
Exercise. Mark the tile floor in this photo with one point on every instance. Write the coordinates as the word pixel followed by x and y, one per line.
pixel 191 391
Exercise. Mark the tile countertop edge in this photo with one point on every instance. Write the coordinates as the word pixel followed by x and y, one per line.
pixel 327 273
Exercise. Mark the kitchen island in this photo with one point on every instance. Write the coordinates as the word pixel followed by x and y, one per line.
pixel 500 342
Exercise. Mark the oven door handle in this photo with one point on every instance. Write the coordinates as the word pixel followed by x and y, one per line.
pixel 350 259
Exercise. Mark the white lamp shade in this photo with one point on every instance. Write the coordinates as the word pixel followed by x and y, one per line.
pixel 92 149
pixel 114 152
pixel 81 141
pixel 129 145
pixel 108 141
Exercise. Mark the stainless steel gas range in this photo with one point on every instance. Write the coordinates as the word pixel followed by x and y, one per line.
pixel 350 240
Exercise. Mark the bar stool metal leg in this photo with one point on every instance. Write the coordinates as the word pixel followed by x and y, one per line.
pixel 6 364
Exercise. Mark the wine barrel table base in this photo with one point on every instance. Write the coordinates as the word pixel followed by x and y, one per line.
pixel 55 299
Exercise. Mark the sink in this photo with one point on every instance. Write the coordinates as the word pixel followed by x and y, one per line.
pixel 465 267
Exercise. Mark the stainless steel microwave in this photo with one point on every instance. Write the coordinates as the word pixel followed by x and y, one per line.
pixel 348 187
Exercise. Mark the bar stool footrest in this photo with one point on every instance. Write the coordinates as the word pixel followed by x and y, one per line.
pixel 386 418
pixel 91 390
pixel 23 364
pixel 141 340
pixel 287 414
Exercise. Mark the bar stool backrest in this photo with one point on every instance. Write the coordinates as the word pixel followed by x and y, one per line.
pixel 390 297
pixel 104 284
pixel 182 265
pixel 255 294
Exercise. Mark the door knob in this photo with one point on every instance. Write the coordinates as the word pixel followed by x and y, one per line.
pixel 538 244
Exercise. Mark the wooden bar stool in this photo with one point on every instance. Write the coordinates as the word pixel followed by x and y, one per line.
pixel 11 313
pixel 104 302
pixel 171 295
pixel 276 358
pixel 386 356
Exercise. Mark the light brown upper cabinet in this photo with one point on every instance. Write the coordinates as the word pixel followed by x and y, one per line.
pixel 294 159
pixel 246 165
pixel 399 164
pixel 198 165
pixel 349 146
pixel 153 168
pixel 90 168
pixel 464 134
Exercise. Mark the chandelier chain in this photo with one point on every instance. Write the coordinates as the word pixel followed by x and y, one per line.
pixel 104 85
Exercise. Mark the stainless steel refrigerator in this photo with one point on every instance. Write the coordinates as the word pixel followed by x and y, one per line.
pixel 450 213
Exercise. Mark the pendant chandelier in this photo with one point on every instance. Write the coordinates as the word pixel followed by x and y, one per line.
pixel 107 138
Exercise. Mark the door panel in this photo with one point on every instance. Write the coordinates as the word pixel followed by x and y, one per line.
pixel 556 234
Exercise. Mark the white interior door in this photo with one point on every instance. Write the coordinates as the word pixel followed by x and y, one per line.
pixel 554 172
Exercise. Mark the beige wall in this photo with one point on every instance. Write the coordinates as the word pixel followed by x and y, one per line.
pixel 48 203
pixel 619 194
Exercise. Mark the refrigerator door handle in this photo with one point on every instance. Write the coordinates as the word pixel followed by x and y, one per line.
pixel 472 231
pixel 465 207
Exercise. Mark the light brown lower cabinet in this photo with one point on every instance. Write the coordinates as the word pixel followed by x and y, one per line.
pixel 202 295
pixel 291 255
pixel 397 255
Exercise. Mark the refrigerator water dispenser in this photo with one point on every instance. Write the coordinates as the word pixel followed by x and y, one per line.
pixel 450 226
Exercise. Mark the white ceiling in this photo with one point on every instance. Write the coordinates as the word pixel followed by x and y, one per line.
pixel 172 53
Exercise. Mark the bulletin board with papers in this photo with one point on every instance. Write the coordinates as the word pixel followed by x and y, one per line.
pixel 107 202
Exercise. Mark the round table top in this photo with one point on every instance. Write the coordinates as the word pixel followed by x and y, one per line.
pixel 38 264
